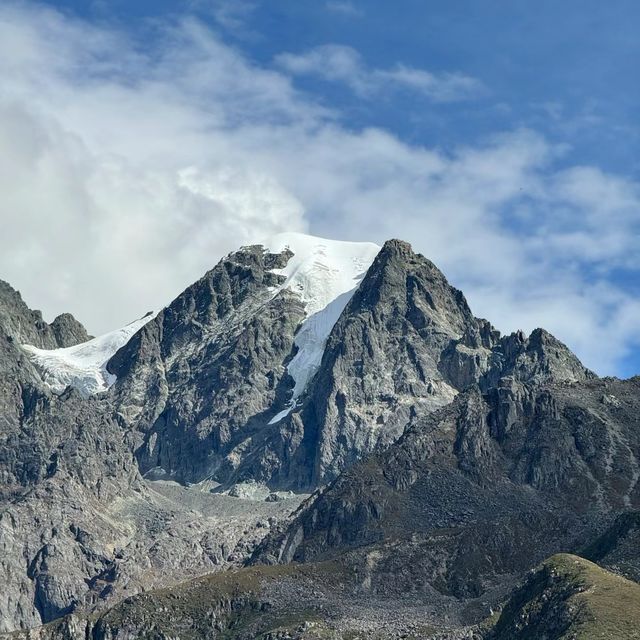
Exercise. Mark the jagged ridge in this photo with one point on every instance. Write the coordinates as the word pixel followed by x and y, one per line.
pixel 510 435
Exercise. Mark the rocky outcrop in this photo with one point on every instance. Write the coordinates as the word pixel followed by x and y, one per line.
pixel 61 458
pixel 26 326
pixel 380 370
pixel 197 384
pixel 537 359
pixel 68 331
pixel 481 489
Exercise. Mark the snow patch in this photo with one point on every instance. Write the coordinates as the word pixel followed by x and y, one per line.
pixel 281 414
pixel 83 366
pixel 325 274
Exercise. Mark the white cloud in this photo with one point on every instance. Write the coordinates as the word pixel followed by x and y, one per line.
pixel 126 173
pixel 116 190
pixel 231 14
pixel 344 8
pixel 339 63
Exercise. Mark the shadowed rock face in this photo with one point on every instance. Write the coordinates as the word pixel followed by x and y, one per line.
pixel 481 489
pixel 198 383
pixel 617 547
pixel 455 457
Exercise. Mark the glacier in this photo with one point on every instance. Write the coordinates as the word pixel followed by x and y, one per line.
pixel 324 274
pixel 83 366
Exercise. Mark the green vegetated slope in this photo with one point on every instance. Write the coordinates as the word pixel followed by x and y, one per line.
pixel 568 597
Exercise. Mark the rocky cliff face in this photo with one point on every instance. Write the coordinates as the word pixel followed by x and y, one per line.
pixel 78 525
pixel 449 459
pixel 479 490
pixel 68 331
pixel 200 381
pixel 406 345
pixel 383 366
pixel 59 456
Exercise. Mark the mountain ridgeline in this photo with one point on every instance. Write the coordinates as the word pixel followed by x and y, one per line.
pixel 444 461
pixel 210 371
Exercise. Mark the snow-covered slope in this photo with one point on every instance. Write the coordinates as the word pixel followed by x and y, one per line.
pixel 325 274
pixel 83 366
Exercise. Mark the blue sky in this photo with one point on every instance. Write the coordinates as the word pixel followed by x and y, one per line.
pixel 565 68
pixel 500 138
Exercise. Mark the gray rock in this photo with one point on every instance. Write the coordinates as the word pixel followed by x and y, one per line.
pixel 68 331
pixel 448 458
pixel 480 490
pixel 197 385
pixel 26 326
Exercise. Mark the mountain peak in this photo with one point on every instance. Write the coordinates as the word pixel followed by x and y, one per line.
pixel 321 270
pixel 396 246
pixel 27 325
pixel 68 331
pixel 324 274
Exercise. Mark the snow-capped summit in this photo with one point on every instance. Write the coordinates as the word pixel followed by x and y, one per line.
pixel 325 274
pixel 83 366
pixel 321 270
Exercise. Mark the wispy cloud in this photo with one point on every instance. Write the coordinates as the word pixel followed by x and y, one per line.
pixel 232 14
pixel 126 172
pixel 344 8
pixel 339 63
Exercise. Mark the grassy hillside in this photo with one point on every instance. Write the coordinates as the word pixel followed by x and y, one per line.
pixel 569 597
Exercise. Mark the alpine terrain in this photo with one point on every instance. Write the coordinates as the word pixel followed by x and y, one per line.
pixel 317 439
